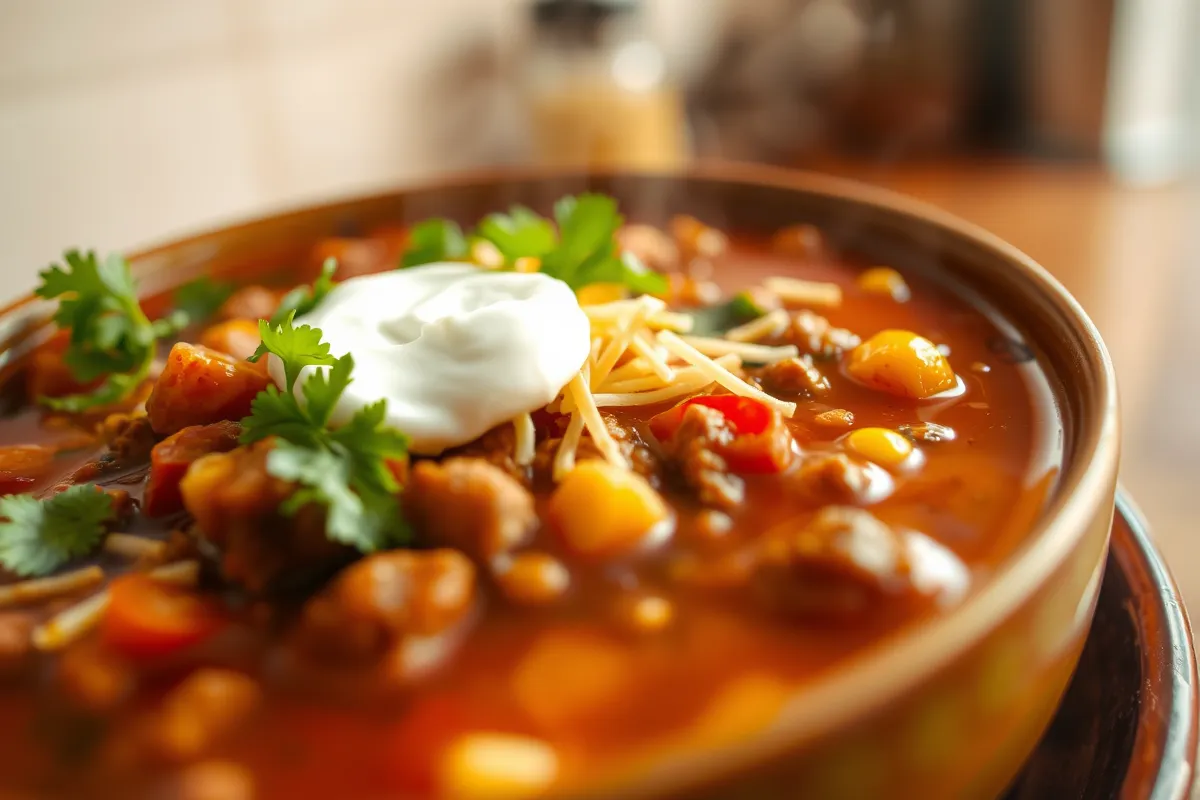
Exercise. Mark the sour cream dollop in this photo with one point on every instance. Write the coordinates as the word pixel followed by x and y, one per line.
pixel 455 350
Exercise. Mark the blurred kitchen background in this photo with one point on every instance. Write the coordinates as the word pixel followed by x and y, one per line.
pixel 1069 127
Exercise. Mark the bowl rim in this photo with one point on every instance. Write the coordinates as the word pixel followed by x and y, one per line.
pixel 878 675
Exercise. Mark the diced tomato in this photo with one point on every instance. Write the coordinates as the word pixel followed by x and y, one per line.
pixel 762 442
pixel 21 465
pixel 170 459
pixel 199 386
pixel 146 619
pixel 745 416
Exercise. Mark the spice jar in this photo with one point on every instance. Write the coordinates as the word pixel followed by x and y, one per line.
pixel 598 88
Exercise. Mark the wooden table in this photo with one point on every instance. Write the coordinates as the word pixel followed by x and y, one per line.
pixel 1129 256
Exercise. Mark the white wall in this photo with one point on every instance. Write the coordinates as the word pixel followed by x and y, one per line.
pixel 124 122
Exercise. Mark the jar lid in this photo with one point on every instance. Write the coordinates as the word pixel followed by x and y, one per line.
pixel 581 13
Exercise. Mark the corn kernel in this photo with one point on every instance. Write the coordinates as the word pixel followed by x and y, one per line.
pixel 527 264
pixel 497 765
pixel 882 446
pixel 597 293
pixel 901 363
pixel 601 511
pixel 885 280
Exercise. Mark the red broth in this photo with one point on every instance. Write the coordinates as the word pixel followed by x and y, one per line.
pixel 681 645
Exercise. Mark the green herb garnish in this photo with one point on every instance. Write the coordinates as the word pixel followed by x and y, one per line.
pixel 434 240
pixel 39 536
pixel 303 299
pixel 579 247
pixel 344 469
pixel 111 337
pixel 201 298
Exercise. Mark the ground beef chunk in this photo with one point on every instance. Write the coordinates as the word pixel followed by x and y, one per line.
pixel 692 450
pixel 251 302
pixel 496 447
pixel 838 478
pixel 654 248
pixel 396 611
pixel 839 565
pixel 235 503
pixel 469 504
pixel 794 376
pixel 208 706
pixel 641 458
pixel 815 335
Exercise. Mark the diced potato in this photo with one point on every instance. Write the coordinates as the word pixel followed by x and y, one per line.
pixel 602 511
pixel 571 678
pixel 885 447
pixel 236 337
pixel 171 458
pixel 901 363
pixel 533 579
pixel 497 765
pixel 199 386
pixel 885 281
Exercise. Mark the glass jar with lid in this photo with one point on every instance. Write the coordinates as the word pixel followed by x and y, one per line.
pixel 598 88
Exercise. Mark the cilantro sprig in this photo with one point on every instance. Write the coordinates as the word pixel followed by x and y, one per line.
pixel 303 299
pixel 111 337
pixel 578 247
pixel 201 298
pixel 344 469
pixel 39 536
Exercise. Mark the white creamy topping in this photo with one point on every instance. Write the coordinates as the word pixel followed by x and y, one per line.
pixel 455 350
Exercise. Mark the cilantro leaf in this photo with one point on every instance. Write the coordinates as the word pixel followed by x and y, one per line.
pixel 344 469
pixel 296 347
pixel 200 299
pixel 579 247
pixel 275 413
pixel 38 537
pixel 520 233
pixel 434 240
pixel 110 335
pixel 303 299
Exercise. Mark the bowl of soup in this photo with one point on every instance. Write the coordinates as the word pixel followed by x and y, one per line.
pixel 726 483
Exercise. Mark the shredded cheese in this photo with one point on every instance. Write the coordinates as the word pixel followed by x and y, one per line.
pixel 71 623
pixel 130 546
pixel 620 309
pixel 720 374
pixel 671 321
pixel 594 422
pixel 525 440
pixel 772 323
pixel 55 586
pixel 650 351
pixel 802 292
pixel 755 353
pixel 564 459
pixel 682 386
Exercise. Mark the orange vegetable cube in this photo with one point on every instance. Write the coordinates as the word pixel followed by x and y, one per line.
pixel 236 337
pixel 200 386
pixel 171 458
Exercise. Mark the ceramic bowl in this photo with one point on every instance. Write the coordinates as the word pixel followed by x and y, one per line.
pixel 950 708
